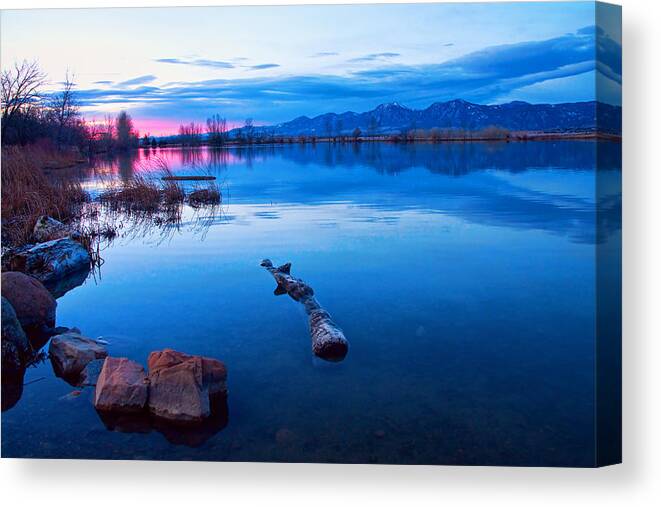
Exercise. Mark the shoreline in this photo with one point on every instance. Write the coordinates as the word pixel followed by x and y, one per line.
pixel 514 137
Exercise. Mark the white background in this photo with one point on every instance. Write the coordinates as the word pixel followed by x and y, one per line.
pixel 636 482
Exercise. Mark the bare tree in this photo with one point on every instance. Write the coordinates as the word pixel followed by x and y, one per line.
pixel 191 134
pixel 108 133
pixel 63 110
pixel 249 130
pixel 124 129
pixel 21 91
pixel 217 130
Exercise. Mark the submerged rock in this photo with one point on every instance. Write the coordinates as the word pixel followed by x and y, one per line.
pixel 15 344
pixel 58 287
pixel 48 229
pixel 90 374
pixel 181 385
pixel 197 433
pixel 50 261
pixel 71 352
pixel 12 387
pixel 33 304
pixel 189 434
pixel 126 422
pixel 122 386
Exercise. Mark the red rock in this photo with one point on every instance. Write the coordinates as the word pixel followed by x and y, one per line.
pixel 33 304
pixel 122 386
pixel 214 373
pixel 181 385
pixel 71 352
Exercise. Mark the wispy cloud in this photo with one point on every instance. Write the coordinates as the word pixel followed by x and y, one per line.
pixel 198 62
pixel 375 56
pixel 263 66
pixel 135 81
pixel 324 53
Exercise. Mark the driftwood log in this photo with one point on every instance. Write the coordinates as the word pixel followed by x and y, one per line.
pixel 328 341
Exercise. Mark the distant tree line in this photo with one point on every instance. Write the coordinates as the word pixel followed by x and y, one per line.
pixel 217 134
pixel 30 115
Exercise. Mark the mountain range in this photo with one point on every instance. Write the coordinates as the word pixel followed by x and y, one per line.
pixel 394 118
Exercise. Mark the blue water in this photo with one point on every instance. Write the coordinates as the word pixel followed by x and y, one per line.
pixel 463 276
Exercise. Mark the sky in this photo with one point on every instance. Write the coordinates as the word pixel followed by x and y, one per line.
pixel 166 66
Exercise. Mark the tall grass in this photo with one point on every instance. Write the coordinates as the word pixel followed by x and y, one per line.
pixel 135 194
pixel 27 193
pixel 124 207
pixel 149 196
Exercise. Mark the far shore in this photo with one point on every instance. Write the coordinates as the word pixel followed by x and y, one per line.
pixel 285 140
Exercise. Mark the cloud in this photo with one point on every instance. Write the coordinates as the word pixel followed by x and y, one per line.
pixel 263 66
pixel 198 62
pixel 324 53
pixel 136 81
pixel 103 82
pixel 490 75
pixel 375 56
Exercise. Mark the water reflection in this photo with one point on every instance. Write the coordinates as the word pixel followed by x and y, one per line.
pixel 444 158
pixel 515 185
pixel 58 287
pixel 464 275
pixel 191 435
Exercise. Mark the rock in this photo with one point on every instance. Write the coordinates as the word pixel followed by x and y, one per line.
pixel 192 435
pixel 70 353
pixel 16 351
pixel 213 371
pixel 12 387
pixel 50 261
pixel 126 422
pixel 70 396
pixel 90 374
pixel 15 344
pixel 34 305
pixel 48 229
pixel 195 434
pixel 122 386
pixel 181 386
pixel 60 286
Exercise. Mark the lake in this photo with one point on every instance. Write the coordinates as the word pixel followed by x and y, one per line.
pixel 463 276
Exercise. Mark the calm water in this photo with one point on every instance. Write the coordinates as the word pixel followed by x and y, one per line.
pixel 462 275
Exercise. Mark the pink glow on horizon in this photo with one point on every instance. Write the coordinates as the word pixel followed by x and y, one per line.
pixel 156 126
pixel 164 127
